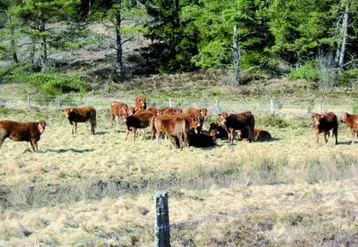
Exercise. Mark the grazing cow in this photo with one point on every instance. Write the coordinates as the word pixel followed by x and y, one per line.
pixel 119 111
pixel 79 115
pixel 240 121
pixel 17 131
pixel 201 140
pixel 218 131
pixel 140 103
pixel 323 123
pixel 259 135
pixel 351 121
pixel 176 127
pixel 140 120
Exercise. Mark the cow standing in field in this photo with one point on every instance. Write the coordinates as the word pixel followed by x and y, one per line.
pixel 17 131
pixel 79 115
pixel 140 103
pixel 199 113
pixel 161 122
pixel 140 120
pixel 323 123
pixel 120 111
pixel 240 121
pixel 351 121
pixel 176 127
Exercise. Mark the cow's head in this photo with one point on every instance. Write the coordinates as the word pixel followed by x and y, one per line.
pixel 203 112
pixel 67 111
pixel 41 126
pixel 140 103
pixel 344 118
pixel 316 119
pixel 195 124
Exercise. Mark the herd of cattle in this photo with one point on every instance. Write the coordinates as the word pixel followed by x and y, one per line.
pixel 185 128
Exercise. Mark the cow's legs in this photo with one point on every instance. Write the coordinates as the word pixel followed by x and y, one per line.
pixel 231 135
pixel 92 128
pixel 251 135
pixel 325 136
pixel 33 146
pixel 3 135
pixel 335 134
pixel 128 131
pixel 353 135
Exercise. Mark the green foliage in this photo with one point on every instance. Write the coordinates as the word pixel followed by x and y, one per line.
pixel 272 120
pixel 348 78
pixel 355 109
pixel 308 71
pixel 53 84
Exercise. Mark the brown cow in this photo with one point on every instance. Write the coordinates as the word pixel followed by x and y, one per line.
pixel 140 103
pixel 176 127
pixel 323 123
pixel 259 135
pixel 351 120
pixel 140 120
pixel 119 111
pixel 79 115
pixel 17 131
pixel 240 121
pixel 170 111
pixel 200 113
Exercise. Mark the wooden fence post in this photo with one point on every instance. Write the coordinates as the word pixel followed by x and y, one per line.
pixel 170 102
pixel 84 100
pixel 217 106
pixel 321 107
pixel 272 106
pixel 161 223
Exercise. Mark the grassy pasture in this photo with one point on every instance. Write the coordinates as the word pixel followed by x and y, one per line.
pixel 85 186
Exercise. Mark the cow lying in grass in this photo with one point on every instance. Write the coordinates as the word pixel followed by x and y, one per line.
pixel 79 115
pixel 17 131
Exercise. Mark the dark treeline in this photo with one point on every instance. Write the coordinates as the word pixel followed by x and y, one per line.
pixel 301 37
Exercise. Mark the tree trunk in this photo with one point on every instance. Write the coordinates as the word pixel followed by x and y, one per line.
pixel 13 44
pixel 119 48
pixel 236 57
pixel 43 46
pixel 344 34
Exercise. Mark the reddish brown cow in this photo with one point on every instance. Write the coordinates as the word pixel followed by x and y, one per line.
pixel 171 111
pixel 17 131
pixel 119 111
pixel 140 103
pixel 177 127
pixel 259 135
pixel 323 123
pixel 140 120
pixel 79 115
pixel 200 113
pixel 351 120
pixel 156 111
pixel 240 121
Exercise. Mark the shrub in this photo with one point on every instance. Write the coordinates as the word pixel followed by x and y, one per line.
pixel 272 120
pixel 308 71
pixel 53 84
pixel 348 78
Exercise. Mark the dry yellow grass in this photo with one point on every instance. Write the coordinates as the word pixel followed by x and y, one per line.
pixel 258 175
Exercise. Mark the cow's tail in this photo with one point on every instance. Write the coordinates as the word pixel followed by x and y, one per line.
pixel 185 132
pixel 152 127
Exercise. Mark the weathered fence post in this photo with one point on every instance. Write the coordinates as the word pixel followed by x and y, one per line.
pixel 59 102
pixel 272 110
pixel 170 102
pixel 321 107
pixel 161 223
pixel 236 57
pixel 84 100
pixel 28 100
pixel 217 105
